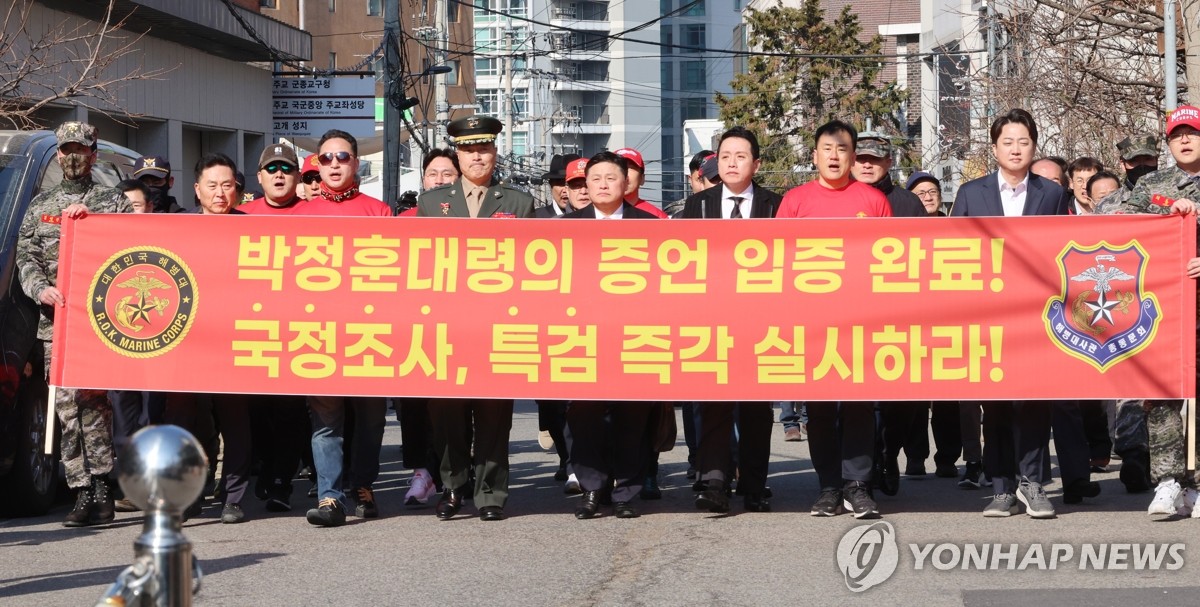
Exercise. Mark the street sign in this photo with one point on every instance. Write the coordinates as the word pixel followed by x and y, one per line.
pixel 307 107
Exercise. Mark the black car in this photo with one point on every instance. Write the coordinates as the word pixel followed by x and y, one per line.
pixel 29 477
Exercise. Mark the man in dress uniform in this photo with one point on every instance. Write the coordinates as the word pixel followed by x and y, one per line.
pixel 476 194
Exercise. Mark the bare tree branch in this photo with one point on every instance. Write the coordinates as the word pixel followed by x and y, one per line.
pixel 73 59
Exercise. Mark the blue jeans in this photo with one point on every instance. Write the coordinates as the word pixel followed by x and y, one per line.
pixel 328 422
pixel 790 415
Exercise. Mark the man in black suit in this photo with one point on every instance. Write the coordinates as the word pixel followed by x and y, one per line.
pixel 1016 434
pixel 616 450
pixel 736 197
pixel 557 178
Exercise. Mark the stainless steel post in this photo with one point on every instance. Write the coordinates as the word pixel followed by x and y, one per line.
pixel 162 472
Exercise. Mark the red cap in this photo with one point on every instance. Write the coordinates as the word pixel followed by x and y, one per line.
pixel 1184 114
pixel 633 156
pixel 311 165
pixel 577 169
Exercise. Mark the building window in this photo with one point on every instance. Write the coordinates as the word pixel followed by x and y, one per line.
pixel 487 66
pixel 664 6
pixel 695 108
pixel 374 8
pixel 452 12
pixel 692 76
pixel 332 6
pixel 484 41
pixel 519 139
pixel 667 78
pixel 692 36
pixel 268 4
pixel 452 77
pixel 668 112
pixel 664 36
pixel 490 102
pixel 697 10
pixel 332 60
pixel 488 9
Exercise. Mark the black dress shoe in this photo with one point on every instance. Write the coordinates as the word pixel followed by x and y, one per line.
pixel 713 498
pixel 491 513
pixel 625 510
pixel 650 490
pixel 588 506
pixel 757 502
pixel 450 504
pixel 1079 489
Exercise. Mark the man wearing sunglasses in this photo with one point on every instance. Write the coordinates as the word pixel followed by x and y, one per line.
pixel 310 178
pixel 281 426
pixel 338 164
pixel 476 194
pixel 278 174
pixel 338 194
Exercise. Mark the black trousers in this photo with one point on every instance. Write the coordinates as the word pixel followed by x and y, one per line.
pixel 947 432
pixel 1016 439
pixel 841 440
pixel 609 442
pixel 1095 427
pixel 233 417
pixel 485 449
pixel 552 417
pixel 1070 441
pixel 715 454
pixel 134 410
pixel 282 430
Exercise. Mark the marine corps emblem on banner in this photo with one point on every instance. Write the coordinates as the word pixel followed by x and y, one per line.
pixel 1102 316
pixel 142 302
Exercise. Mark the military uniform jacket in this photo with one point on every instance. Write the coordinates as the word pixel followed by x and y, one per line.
pixel 41 230
pixel 1153 194
pixel 500 200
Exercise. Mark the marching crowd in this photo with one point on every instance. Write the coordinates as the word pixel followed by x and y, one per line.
pixel 608 452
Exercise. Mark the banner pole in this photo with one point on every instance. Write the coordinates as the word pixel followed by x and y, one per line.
pixel 1190 433
pixel 51 395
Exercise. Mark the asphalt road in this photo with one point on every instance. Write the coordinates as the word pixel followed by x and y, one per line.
pixel 672 555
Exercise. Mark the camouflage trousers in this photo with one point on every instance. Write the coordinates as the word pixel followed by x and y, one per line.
pixel 1168 449
pixel 87 442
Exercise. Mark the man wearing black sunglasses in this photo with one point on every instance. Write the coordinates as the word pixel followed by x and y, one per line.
pixel 278 174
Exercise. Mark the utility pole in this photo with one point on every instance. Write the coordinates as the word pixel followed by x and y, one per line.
pixel 441 100
pixel 508 89
pixel 392 79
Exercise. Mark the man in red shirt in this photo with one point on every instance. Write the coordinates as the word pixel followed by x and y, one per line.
pixel 834 193
pixel 278 174
pixel 637 179
pixel 338 194
pixel 841 434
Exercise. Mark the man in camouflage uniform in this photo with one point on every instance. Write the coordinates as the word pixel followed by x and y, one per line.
pixel 85 415
pixel 1171 190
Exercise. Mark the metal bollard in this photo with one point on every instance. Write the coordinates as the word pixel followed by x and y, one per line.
pixel 162 472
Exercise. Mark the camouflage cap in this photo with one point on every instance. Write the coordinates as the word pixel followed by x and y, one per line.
pixel 873 144
pixel 77 132
pixel 1138 145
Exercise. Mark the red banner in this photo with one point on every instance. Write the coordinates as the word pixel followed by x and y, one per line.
pixel 845 309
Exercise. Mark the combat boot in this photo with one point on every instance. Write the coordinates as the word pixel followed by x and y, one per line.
pixel 104 511
pixel 84 504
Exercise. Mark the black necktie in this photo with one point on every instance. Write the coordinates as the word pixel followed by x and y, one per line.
pixel 736 213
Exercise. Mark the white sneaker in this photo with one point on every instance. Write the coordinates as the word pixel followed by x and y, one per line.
pixel 1186 504
pixel 572 487
pixel 545 441
pixel 1166 498
pixel 420 489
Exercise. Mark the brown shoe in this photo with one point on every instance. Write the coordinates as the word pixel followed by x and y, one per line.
pixel 793 435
